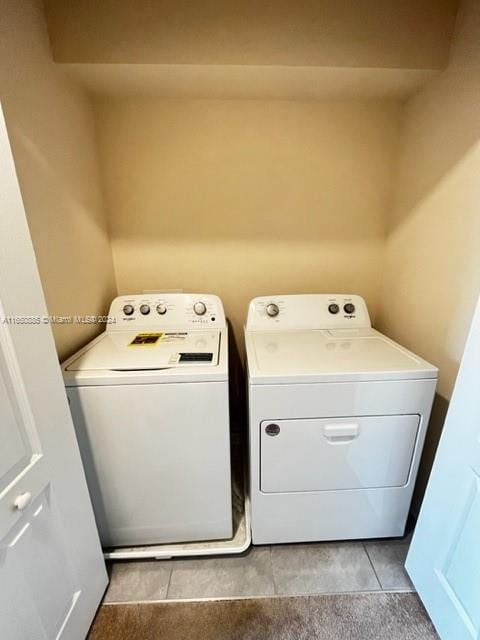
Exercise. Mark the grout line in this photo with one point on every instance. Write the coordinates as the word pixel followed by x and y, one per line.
pixel 169 582
pixel 275 589
pixel 372 565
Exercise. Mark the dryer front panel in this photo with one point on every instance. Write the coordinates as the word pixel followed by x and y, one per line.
pixel 331 454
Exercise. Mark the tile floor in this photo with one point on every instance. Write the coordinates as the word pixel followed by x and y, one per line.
pixel 296 569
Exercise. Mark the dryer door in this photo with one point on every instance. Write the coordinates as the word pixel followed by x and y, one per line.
pixel 327 454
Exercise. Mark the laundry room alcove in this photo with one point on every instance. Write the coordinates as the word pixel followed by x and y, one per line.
pixel 250 149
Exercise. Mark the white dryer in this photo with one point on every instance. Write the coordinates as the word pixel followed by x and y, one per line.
pixel 337 420
pixel 149 400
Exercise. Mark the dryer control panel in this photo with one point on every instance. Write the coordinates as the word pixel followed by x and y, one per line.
pixel 308 311
pixel 166 310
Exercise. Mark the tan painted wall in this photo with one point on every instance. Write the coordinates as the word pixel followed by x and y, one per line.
pixel 243 198
pixel 51 129
pixel 371 33
pixel 432 274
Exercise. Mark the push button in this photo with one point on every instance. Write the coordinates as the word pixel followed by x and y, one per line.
pixel 272 430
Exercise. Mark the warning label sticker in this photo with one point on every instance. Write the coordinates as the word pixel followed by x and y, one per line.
pixel 146 339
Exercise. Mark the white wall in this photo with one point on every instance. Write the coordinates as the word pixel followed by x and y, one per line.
pixel 51 129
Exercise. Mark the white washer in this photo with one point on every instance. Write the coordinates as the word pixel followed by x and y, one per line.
pixel 337 415
pixel 149 400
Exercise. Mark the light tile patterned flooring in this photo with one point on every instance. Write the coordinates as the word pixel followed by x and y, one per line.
pixel 294 569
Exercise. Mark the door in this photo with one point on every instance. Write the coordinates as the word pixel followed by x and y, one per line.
pixel 444 559
pixel 52 574
pixel 332 454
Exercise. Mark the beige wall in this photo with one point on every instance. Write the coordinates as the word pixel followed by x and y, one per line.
pixel 432 270
pixel 371 33
pixel 52 134
pixel 243 198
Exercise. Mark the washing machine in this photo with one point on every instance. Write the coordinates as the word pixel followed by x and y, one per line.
pixel 337 421
pixel 149 400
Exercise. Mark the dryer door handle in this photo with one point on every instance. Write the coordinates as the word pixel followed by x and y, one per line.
pixel 339 433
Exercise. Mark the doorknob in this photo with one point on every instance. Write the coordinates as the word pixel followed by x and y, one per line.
pixel 22 501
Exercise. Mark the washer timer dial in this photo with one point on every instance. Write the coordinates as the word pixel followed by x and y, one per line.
pixel 200 308
pixel 272 310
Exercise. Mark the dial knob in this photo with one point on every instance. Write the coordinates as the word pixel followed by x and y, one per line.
pixel 349 308
pixel 272 310
pixel 334 308
pixel 128 309
pixel 145 309
pixel 161 308
pixel 200 308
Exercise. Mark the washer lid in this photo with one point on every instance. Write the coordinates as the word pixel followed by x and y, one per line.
pixel 330 356
pixel 148 350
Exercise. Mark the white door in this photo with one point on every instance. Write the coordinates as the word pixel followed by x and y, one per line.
pixel 52 574
pixel 444 559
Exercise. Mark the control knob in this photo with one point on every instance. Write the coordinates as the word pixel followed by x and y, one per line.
pixel 334 308
pixel 200 308
pixel 272 310
pixel 349 308
pixel 145 309
pixel 161 308
pixel 128 309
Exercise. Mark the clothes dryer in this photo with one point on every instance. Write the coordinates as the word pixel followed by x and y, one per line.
pixel 337 420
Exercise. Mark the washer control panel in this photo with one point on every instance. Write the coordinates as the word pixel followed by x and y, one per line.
pixel 308 311
pixel 179 310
